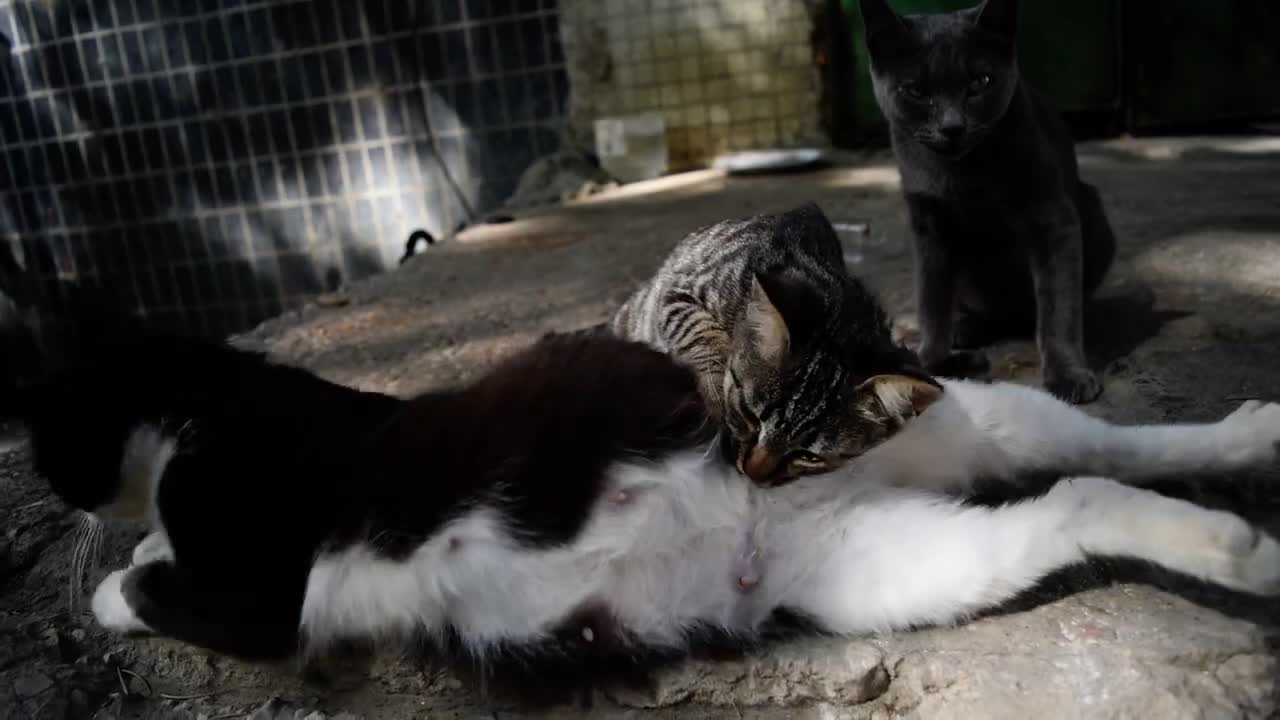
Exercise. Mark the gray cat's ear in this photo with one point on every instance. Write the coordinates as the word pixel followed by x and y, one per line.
pixel 901 397
pixel 999 17
pixel 877 15
pixel 881 25
pixel 769 335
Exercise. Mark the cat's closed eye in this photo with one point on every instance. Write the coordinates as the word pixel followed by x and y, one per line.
pixel 806 459
pixel 979 83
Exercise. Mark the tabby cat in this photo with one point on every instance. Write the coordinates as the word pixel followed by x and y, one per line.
pixel 790 350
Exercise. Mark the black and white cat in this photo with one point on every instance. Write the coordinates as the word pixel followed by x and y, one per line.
pixel 571 516
pixel 1007 238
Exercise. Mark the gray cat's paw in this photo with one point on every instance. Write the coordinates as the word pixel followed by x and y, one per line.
pixel 960 364
pixel 1076 385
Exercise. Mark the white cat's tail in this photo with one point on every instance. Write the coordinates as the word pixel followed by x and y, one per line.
pixel 907 560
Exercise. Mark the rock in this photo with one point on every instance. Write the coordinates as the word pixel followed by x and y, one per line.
pixel 566 175
pixel 273 709
pixel 29 686
pixel 78 698
pixel 829 671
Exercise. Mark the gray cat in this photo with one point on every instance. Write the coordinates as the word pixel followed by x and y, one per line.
pixel 1007 239
pixel 792 352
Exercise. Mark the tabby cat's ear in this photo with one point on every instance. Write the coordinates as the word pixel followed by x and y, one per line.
pixel 882 27
pixel 901 397
pixel 769 335
pixel 999 17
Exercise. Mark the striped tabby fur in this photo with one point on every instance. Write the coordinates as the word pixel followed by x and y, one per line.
pixel 792 351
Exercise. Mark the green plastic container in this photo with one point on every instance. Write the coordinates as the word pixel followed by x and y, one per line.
pixel 1068 50
pixel 1148 65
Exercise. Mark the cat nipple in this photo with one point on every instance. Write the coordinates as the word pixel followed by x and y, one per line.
pixel 747 582
pixel 621 497
pixel 588 634
pixel 455 544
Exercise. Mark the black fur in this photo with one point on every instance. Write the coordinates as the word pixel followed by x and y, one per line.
pixel 1005 232
pixel 545 425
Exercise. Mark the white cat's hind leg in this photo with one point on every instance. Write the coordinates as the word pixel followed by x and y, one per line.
pixel 154 547
pixel 111 608
pixel 911 559
pixel 1213 545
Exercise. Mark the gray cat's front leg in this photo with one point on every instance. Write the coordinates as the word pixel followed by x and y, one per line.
pixel 935 289
pixel 1056 268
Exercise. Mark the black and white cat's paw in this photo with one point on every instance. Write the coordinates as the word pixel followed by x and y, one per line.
pixel 1250 436
pixel 1246 559
pixel 1075 384
pixel 1213 545
pixel 1218 546
pixel 111 607
pixel 154 547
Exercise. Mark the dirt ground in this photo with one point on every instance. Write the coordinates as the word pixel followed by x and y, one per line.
pixel 1187 327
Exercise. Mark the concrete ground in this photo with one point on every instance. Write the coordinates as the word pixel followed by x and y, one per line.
pixel 1186 328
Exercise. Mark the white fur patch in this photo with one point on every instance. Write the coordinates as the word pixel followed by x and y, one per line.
pixel 154 547
pixel 147 451
pixel 643 559
pixel 112 610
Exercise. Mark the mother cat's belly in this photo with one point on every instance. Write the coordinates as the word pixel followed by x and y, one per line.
pixel 656 554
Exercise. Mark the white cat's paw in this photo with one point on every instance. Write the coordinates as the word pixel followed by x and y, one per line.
pixel 153 548
pixel 1241 556
pixel 1258 565
pixel 1250 436
pixel 112 609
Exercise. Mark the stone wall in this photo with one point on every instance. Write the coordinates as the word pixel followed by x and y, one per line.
pixel 726 74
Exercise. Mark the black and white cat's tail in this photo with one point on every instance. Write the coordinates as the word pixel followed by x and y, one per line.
pixel 89 397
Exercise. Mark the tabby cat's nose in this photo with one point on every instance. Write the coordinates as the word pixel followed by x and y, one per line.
pixel 759 464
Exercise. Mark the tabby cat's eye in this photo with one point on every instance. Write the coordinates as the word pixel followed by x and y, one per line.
pixel 803 457
pixel 979 83
pixel 911 90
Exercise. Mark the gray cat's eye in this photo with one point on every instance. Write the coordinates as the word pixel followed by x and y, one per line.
pixel 980 83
